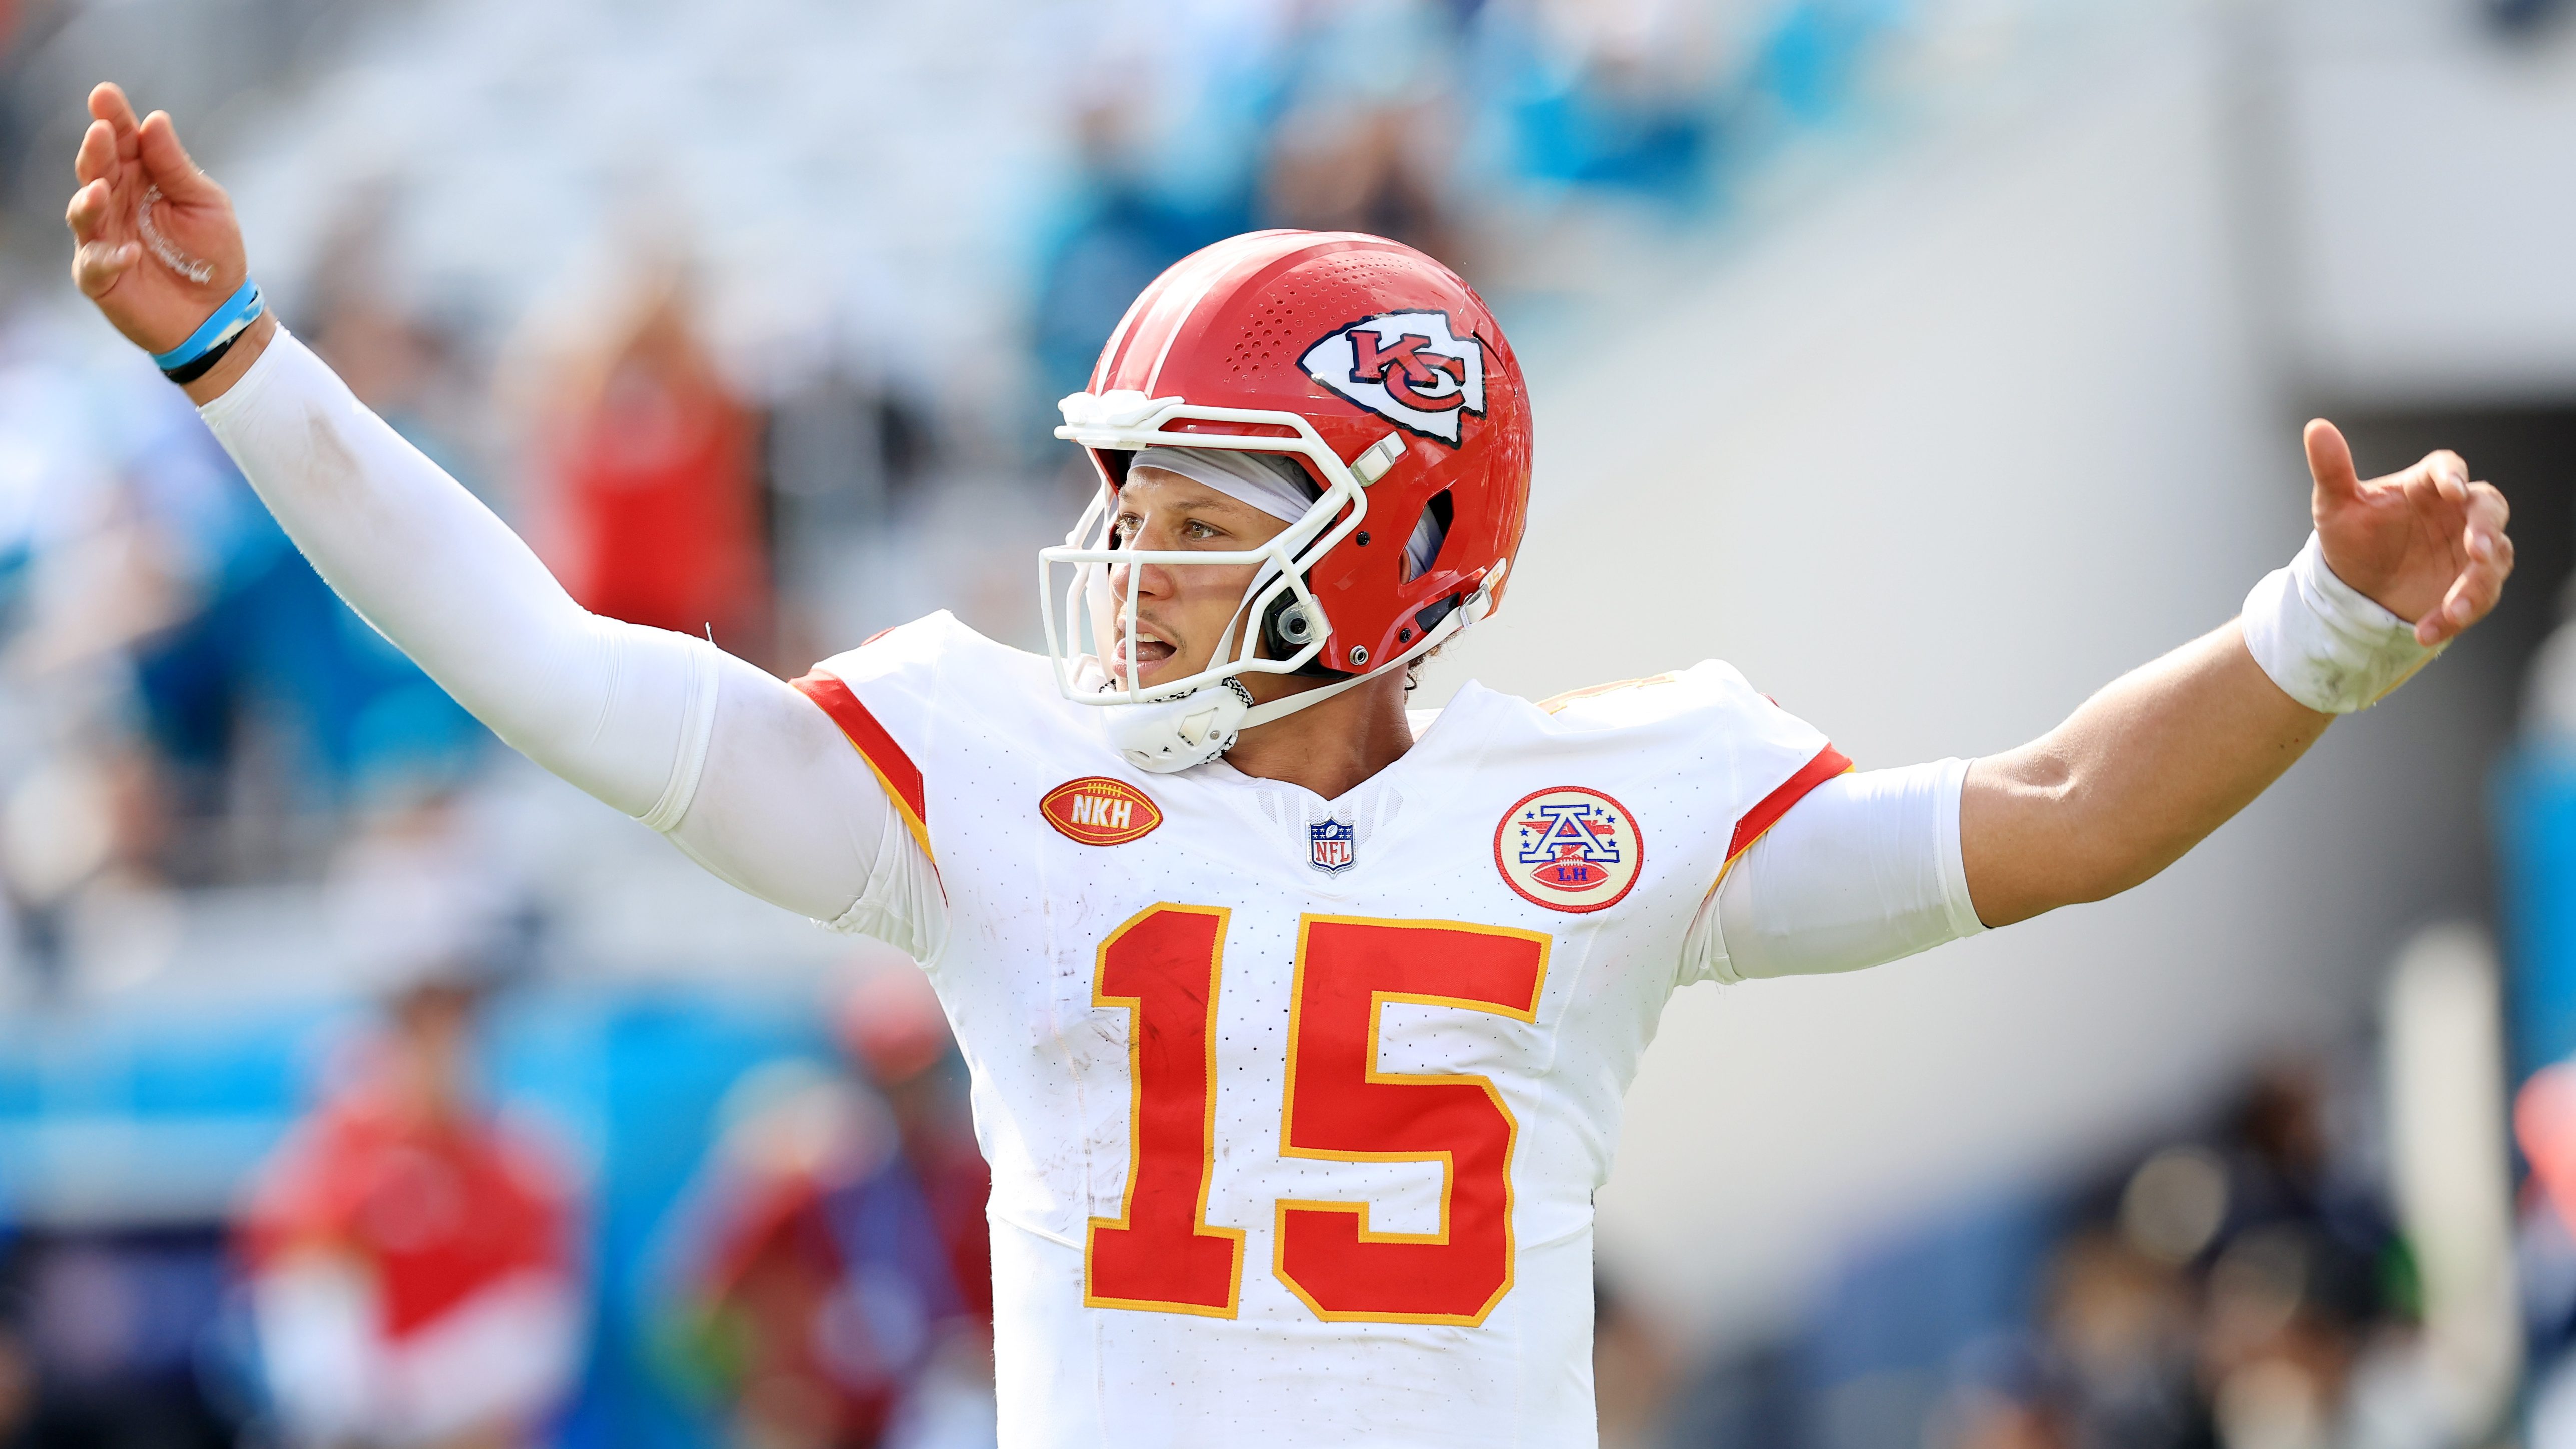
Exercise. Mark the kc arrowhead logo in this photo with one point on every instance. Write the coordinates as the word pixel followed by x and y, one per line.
pixel 1406 367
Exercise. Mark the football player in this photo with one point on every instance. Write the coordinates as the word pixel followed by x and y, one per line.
pixel 1298 1025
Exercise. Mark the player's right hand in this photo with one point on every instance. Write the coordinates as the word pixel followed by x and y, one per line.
pixel 155 242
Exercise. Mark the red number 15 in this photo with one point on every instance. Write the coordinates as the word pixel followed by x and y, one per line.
pixel 1160 1253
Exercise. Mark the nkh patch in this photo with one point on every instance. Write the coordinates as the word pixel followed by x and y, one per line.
pixel 1331 846
pixel 1408 368
pixel 1097 810
pixel 1569 849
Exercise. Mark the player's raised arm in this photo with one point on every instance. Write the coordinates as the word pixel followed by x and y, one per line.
pixel 2165 754
pixel 745 774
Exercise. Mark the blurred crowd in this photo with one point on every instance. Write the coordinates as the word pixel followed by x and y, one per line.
pixel 2247 1285
pixel 414 1264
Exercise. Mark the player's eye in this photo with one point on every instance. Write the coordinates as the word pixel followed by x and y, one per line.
pixel 1123 530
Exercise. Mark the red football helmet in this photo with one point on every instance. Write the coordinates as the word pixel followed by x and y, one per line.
pixel 1390 379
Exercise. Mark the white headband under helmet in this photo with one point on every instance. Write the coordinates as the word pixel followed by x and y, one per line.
pixel 1277 485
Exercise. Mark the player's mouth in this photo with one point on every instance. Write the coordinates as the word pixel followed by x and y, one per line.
pixel 1144 649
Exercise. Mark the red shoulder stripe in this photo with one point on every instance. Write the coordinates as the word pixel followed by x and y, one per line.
pixel 1828 763
pixel 894 769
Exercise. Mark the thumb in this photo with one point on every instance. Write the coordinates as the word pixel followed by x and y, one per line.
pixel 167 163
pixel 2330 463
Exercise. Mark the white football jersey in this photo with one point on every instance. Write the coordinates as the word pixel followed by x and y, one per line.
pixel 1295 1107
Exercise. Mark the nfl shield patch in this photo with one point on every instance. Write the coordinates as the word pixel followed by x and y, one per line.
pixel 1329 846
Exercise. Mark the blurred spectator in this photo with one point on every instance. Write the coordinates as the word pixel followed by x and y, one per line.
pixel 2282 1164
pixel 411 1257
pixel 893 1026
pixel 404 369
pixel 2240 1291
pixel 1632 1367
pixel 159 606
pixel 838 1285
pixel 844 450
pixel 1368 141
pixel 1362 172
pixel 2006 1395
pixel 1120 232
pixel 2118 1332
pixel 656 495
pixel 2544 1120
pixel 83 837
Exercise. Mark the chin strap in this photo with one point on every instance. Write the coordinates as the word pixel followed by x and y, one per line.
pixel 1288 704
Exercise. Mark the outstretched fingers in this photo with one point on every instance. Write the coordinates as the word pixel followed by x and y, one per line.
pixel 96 159
pixel 97 266
pixel 89 213
pixel 167 162
pixel 2490 560
pixel 107 102
pixel 101 251
pixel 2330 463
pixel 2439 483
pixel 2395 537
pixel 2442 474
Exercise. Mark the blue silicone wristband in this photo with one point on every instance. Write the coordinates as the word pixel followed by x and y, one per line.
pixel 239 310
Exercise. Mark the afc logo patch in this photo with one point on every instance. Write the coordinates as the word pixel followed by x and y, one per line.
pixel 1569 849
pixel 1408 368
pixel 1330 846
pixel 1097 810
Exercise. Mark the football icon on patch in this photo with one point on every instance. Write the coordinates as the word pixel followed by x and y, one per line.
pixel 1329 846
pixel 1569 849
pixel 1406 367
pixel 1097 810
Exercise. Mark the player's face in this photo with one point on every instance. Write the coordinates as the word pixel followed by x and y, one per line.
pixel 1182 613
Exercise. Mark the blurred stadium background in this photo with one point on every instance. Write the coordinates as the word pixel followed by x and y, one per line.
pixel 1932 360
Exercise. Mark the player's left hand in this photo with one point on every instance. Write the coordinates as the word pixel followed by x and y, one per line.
pixel 155 242
pixel 2426 544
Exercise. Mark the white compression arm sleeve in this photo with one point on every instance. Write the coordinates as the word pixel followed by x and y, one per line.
pixel 1865 869
pixel 748 777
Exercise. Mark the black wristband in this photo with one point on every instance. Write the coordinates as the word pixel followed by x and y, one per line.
pixel 190 371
